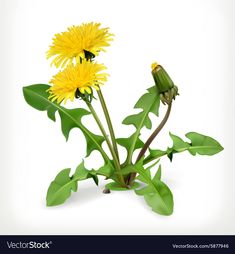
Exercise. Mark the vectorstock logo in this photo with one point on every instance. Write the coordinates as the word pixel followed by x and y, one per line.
pixel 29 245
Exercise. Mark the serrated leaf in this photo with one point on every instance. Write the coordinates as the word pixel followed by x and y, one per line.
pixel 148 102
pixel 106 170
pixel 37 97
pixel 127 142
pixel 128 169
pixel 203 145
pixel 157 194
pixel 81 172
pixel 200 144
pixel 60 189
pixel 154 153
pixel 137 119
pixel 178 143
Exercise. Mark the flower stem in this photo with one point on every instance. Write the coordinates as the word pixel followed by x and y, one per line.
pixel 150 140
pixel 109 122
pixel 115 160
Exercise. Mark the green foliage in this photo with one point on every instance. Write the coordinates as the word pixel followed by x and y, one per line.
pixel 123 175
pixel 200 144
pixel 60 189
pixel 106 170
pixel 156 193
pixel 128 142
pixel 37 97
pixel 148 103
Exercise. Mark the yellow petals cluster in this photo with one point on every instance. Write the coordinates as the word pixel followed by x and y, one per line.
pixel 82 76
pixel 73 51
pixel 73 43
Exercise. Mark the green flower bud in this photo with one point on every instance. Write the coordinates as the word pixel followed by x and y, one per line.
pixel 166 88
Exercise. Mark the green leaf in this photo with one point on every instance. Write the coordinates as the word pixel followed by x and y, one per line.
pixel 178 143
pixel 127 142
pixel 200 144
pixel 157 194
pixel 161 201
pixel 147 171
pixel 145 190
pixel 203 145
pixel 106 170
pixel 149 102
pixel 82 173
pixel 60 189
pixel 154 154
pixel 158 174
pixel 37 97
pixel 128 169
pixel 94 176
pixel 138 119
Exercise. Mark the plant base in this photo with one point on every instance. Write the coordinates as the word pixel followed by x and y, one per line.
pixel 116 187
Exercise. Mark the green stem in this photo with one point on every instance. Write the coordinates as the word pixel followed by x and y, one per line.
pixel 150 140
pixel 115 160
pixel 149 159
pixel 155 133
pixel 109 123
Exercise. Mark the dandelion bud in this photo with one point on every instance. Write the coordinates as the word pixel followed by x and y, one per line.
pixel 165 85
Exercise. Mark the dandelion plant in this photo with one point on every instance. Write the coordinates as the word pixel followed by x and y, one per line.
pixel 80 79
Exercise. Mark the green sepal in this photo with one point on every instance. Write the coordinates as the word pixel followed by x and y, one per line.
pixel 162 80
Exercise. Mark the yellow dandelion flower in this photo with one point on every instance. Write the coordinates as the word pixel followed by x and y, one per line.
pixel 82 76
pixel 77 41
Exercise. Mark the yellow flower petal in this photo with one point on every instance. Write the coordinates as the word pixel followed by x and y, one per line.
pixel 154 65
pixel 82 76
pixel 70 45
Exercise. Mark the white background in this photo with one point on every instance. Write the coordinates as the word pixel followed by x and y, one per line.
pixel 193 40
